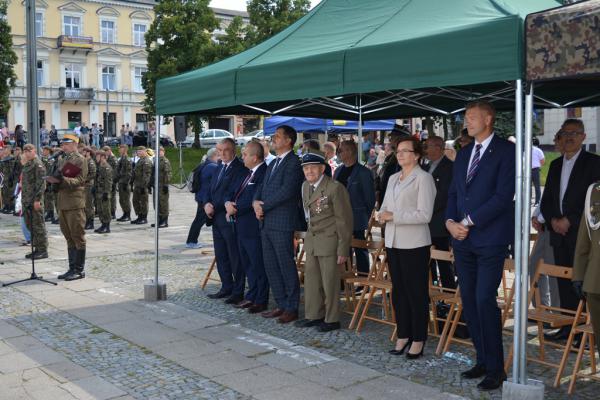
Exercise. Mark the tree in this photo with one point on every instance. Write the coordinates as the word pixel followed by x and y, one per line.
pixel 178 40
pixel 233 41
pixel 269 17
pixel 8 60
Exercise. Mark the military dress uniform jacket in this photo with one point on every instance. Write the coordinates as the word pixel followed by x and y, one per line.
pixel 124 170
pixel 91 176
pixel 330 219
pixel 34 184
pixel 104 179
pixel 142 173
pixel 71 191
pixel 164 172
pixel 587 252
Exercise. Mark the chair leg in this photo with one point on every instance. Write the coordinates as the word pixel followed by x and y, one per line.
pixel 435 328
pixel 361 321
pixel 357 307
pixel 445 330
pixel 577 363
pixel 453 328
pixel 208 273
pixel 593 353
pixel 565 356
pixel 385 304
pixel 541 339
pixel 508 361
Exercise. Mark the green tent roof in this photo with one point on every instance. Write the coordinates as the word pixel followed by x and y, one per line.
pixel 369 47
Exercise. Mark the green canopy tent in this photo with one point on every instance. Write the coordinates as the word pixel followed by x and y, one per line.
pixel 361 59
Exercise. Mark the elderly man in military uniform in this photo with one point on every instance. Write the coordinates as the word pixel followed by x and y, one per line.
pixel 104 184
pixel 70 177
pixel 112 161
pixel 141 180
pixel 7 166
pixel 90 187
pixel 124 172
pixel 586 269
pixel 328 215
pixel 164 178
pixel 48 161
pixel 32 198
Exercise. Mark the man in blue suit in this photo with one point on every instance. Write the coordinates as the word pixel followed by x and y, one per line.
pixel 228 176
pixel 359 182
pixel 239 207
pixel 276 205
pixel 480 218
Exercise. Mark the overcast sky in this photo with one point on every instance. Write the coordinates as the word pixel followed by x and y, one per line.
pixel 241 4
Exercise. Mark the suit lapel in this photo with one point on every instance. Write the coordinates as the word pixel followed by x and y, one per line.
pixel 321 188
pixel 485 157
pixel 352 175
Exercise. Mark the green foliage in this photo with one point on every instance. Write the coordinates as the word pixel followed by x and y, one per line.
pixel 233 41
pixel 8 60
pixel 269 17
pixel 178 40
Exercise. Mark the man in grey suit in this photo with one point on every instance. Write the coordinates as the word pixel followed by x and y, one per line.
pixel 277 205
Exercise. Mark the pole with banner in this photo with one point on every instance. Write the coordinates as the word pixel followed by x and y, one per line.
pixel 33 124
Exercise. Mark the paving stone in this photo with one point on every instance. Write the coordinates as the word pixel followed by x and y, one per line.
pixel 185 349
pixel 220 364
pixel 338 374
pixel 66 371
pixel 8 331
pixel 258 380
pixel 92 388
pixel 304 392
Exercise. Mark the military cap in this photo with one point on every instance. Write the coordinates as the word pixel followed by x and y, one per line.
pixel 70 138
pixel 141 148
pixel 313 157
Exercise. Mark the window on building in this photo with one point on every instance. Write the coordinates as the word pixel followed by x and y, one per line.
pixel 139 30
pixel 73 76
pixel 108 77
pixel 71 25
pixel 40 73
pixel 137 78
pixel 107 31
pixel 39 24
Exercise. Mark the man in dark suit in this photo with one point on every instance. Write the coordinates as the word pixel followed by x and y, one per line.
pixel 480 218
pixel 239 207
pixel 562 204
pixel 276 205
pixel 359 182
pixel 440 167
pixel 228 176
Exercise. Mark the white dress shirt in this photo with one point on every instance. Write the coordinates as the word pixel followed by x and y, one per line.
pixel 268 158
pixel 565 175
pixel 484 146
pixel 315 186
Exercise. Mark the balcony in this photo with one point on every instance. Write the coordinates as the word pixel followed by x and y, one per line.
pixel 75 43
pixel 75 94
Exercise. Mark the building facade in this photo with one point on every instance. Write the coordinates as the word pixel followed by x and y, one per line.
pixel 554 118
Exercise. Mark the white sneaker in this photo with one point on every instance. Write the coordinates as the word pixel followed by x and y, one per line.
pixel 193 245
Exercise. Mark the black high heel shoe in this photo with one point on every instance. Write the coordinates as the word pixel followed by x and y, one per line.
pixel 411 356
pixel 401 351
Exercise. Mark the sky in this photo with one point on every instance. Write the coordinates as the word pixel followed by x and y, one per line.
pixel 241 4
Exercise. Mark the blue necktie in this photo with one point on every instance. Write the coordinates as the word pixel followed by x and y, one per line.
pixel 474 164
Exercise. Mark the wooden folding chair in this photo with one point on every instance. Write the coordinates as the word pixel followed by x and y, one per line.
pixel 374 224
pixel 587 334
pixel 437 292
pixel 378 282
pixel 556 317
pixel 506 297
pixel 350 275
pixel 300 254
pixel 207 277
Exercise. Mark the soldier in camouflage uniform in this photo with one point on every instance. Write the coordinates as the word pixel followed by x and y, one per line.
pixel 32 198
pixel 164 178
pixel 104 184
pixel 48 160
pixel 90 188
pixel 124 173
pixel 141 181
pixel 112 161
pixel 8 180
pixel 71 204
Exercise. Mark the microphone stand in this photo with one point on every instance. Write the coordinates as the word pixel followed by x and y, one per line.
pixel 34 276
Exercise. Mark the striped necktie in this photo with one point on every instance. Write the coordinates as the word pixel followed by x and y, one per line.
pixel 474 163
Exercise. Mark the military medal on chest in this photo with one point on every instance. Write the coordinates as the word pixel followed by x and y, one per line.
pixel 320 204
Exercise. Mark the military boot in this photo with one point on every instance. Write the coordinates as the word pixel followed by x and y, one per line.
pixel 124 218
pixel 49 216
pixel 39 254
pixel 143 219
pixel 164 223
pixel 71 252
pixel 55 221
pixel 99 230
pixel 89 224
pixel 79 266
pixel 160 221
pixel 135 221
pixel 105 228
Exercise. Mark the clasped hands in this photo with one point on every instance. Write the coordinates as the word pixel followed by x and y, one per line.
pixel 560 225
pixel 458 231
pixel 258 209
pixel 230 208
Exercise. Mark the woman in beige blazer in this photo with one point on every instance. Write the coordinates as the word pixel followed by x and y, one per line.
pixel 407 209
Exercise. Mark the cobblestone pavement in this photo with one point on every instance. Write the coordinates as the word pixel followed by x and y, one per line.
pixel 118 265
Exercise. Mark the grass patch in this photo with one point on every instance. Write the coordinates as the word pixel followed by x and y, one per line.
pixel 97 331
pixel 550 156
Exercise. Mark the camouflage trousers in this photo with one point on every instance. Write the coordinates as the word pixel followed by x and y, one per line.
pixel 140 200
pixel 7 196
pixel 125 197
pixel 103 208
pixel 89 203
pixel 49 200
pixel 72 223
pixel 113 200
pixel 34 220
pixel 163 204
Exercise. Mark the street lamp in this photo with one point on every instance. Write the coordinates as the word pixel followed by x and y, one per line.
pixel 33 125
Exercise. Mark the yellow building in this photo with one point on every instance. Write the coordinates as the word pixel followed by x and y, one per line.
pixel 88 52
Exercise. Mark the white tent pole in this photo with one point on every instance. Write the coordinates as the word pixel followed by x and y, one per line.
pixel 156 189
pixel 360 129
pixel 519 340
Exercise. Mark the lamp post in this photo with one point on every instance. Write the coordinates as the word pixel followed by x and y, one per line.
pixel 33 125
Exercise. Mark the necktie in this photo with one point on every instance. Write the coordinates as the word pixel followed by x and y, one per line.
pixel 244 184
pixel 274 167
pixel 311 190
pixel 475 163
pixel 222 173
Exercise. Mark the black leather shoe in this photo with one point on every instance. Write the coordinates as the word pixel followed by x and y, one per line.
pixel 307 323
pixel 234 299
pixel 73 276
pixel 395 352
pixel 492 382
pixel 55 221
pixel 561 334
pixel 218 295
pixel 414 356
pixel 476 372
pixel 328 326
pixel 38 255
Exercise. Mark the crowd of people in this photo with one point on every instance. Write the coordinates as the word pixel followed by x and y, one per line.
pixel 423 194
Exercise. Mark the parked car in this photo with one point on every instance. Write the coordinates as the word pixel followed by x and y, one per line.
pixel 188 142
pixel 112 141
pixel 140 138
pixel 257 134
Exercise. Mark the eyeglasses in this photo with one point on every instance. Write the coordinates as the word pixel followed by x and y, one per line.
pixel 570 134
pixel 404 151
